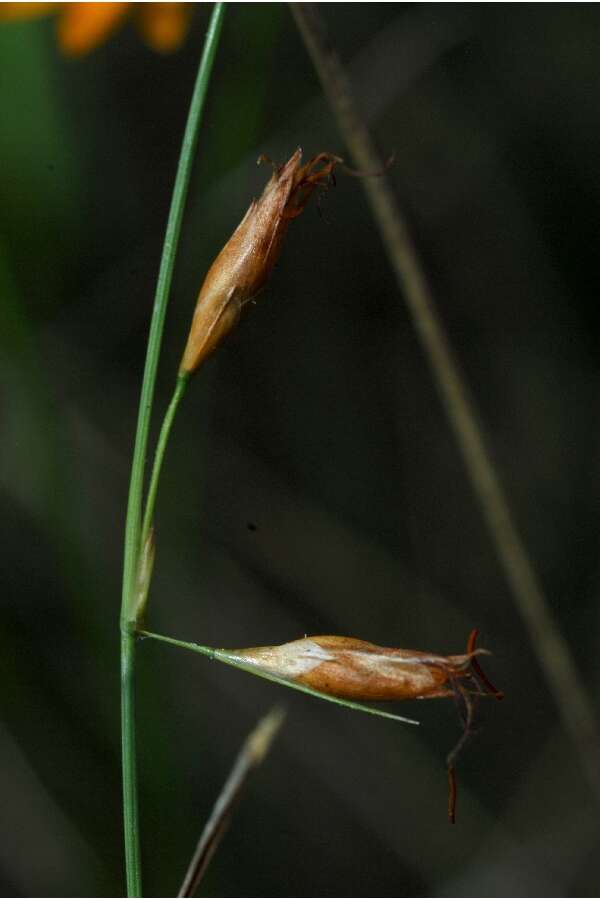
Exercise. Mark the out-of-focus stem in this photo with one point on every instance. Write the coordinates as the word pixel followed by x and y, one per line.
pixel 253 751
pixel 552 650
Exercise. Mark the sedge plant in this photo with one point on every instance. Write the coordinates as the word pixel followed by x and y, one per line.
pixel 341 670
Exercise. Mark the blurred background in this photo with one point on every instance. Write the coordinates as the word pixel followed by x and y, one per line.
pixel 312 484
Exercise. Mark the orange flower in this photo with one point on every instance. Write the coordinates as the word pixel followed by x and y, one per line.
pixel 83 26
pixel 244 264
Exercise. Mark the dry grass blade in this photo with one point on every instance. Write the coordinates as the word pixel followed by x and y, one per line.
pixel 255 748
pixel 550 647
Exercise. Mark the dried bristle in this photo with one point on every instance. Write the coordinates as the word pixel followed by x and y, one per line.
pixel 451 795
pixel 468 698
pixel 307 178
pixel 477 670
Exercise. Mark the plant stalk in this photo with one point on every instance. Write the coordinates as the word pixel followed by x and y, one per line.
pixel 130 798
pixel 133 524
pixel 161 446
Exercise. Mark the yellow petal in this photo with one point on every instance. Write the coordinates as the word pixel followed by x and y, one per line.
pixel 163 25
pixel 82 26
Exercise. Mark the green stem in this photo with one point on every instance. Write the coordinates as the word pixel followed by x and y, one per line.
pixel 161 446
pixel 231 658
pixel 130 798
pixel 165 275
pixel 134 505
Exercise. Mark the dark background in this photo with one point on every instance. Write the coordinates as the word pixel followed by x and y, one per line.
pixel 312 484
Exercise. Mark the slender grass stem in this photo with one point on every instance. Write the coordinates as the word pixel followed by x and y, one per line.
pixel 130 794
pixel 165 275
pixel 230 658
pixel 134 507
pixel 161 446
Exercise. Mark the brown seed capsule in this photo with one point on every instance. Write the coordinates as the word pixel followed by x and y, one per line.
pixel 244 264
pixel 357 670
